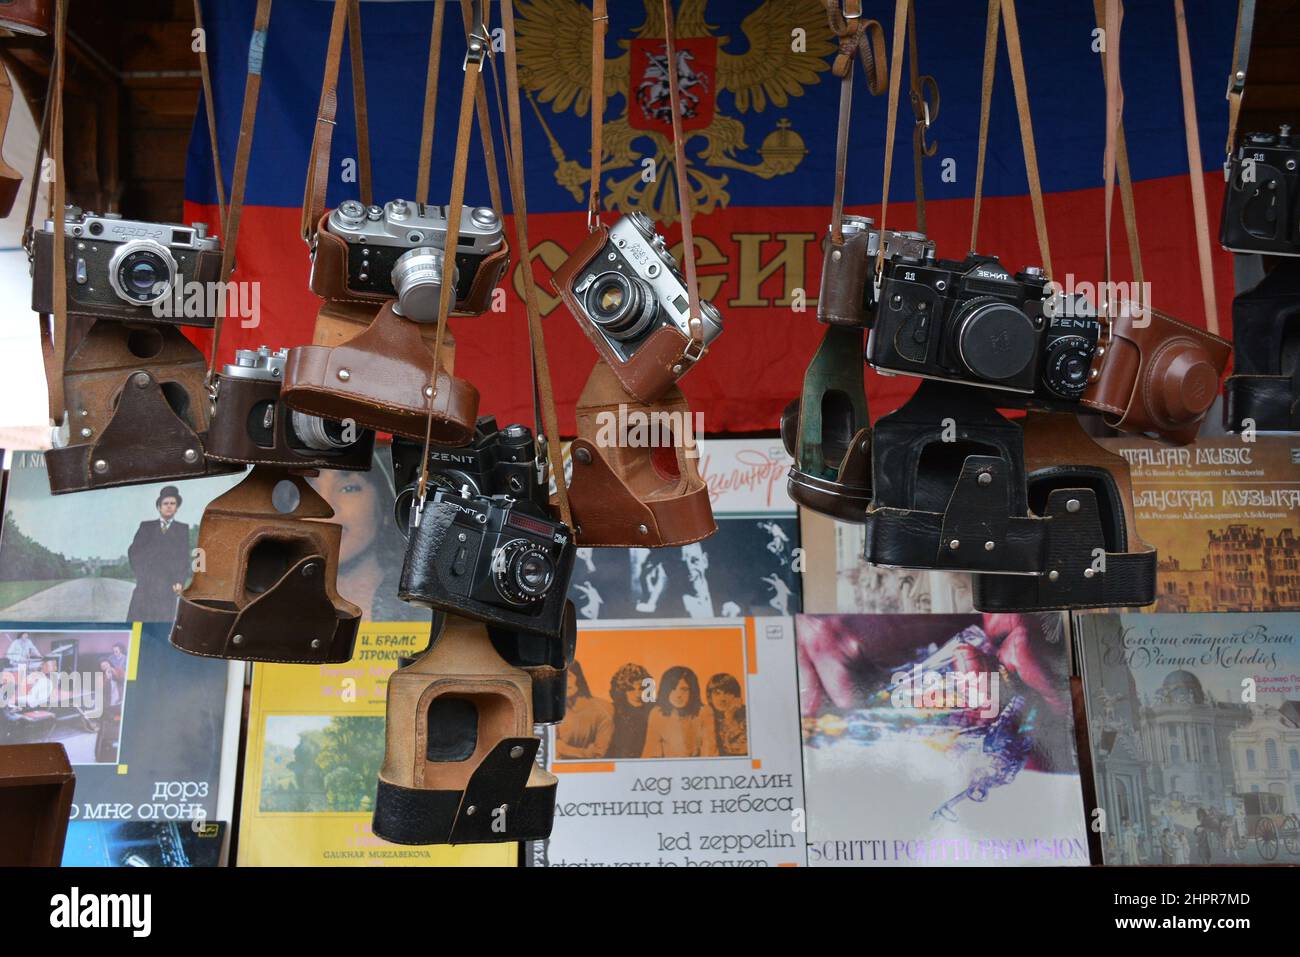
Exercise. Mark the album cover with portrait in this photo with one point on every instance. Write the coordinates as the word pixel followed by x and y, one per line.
pixel 679 747
pixel 939 740
pixel 152 734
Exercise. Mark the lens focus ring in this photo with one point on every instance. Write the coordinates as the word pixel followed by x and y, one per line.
pixel 623 306
pixel 142 272
pixel 523 572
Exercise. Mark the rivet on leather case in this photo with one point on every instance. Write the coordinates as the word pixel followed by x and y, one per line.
pixel 828 433
pixel 632 485
pixel 137 410
pixel 267 587
pixel 459 764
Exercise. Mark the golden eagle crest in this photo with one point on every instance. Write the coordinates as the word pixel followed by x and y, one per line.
pixel 555 69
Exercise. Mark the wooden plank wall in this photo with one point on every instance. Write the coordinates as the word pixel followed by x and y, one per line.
pixel 132 91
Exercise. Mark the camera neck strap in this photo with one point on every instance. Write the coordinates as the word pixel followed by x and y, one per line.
pixel 1005 10
pixel 891 121
pixel 210 109
pixel 1196 171
pixel 684 197
pixel 544 395
pixel 1240 66
pixel 477 45
pixel 239 178
pixel 864 40
pixel 429 120
pixel 54 334
pixel 347 19
pixel 1109 15
pixel 923 90
pixel 599 28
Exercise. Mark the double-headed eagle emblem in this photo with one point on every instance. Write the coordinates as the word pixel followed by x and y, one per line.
pixel 787 43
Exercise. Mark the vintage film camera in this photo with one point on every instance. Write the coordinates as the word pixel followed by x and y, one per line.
pixel 488 557
pixel 395 251
pixel 251 424
pixel 498 462
pixel 973 322
pixel 1261 206
pixel 120 268
pixel 629 296
pixel 848 294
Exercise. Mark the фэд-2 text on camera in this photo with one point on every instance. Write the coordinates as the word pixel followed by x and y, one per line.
pixel 121 269
pixel 628 295
pixel 252 425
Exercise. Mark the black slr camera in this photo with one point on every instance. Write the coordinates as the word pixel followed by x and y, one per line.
pixel 498 462
pixel 490 558
pixel 973 322
pixel 1260 213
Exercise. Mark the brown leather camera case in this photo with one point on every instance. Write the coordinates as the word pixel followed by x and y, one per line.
pixel 202 265
pixel 337 322
pixel 36 788
pixel 329 276
pixel 659 362
pixel 229 439
pixel 137 409
pixel 620 496
pixel 1160 378
pixel 268 591
pixel 496 793
pixel 380 379
pixel 27 16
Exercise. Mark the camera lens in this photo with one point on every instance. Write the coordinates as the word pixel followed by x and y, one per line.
pixel 1069 359
pixel 524 572
pixel 995 340
pixel 623 306
pixel 417 280
pixel 323 435
pixel 141 272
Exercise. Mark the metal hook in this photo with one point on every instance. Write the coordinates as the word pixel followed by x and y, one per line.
pixel 479 39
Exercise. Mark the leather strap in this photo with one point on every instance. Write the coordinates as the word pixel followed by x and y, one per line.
pixel 313 203
pixel 239 181
pixel 599 27
pixel 1240 64
pixel 891 120
pixel 430 103
pixel 364 181
pixel 866 39
pixel 514 147
pixel 925 112
pixel 684 202
pixel 485 121
pixel 1005 10
pixel 210 108
pixel 1115 158
pixel 55 348
pixel 1196 170
pixel 478 43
